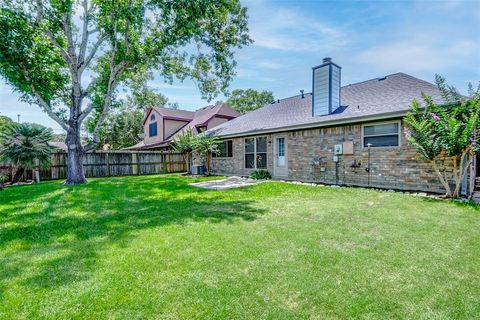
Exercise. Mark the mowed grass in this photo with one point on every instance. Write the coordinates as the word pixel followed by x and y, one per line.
pixel 155 247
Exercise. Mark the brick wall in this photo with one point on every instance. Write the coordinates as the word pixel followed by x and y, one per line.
pixel 391 168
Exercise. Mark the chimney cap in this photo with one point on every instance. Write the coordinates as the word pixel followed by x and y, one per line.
pixel 327 60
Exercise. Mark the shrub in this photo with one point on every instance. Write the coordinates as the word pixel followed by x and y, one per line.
pixel 260 174
pixel 24 146
pixel 3 179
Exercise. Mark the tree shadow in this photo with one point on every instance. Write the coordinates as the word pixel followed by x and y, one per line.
pixel 63 229
pixel 459 203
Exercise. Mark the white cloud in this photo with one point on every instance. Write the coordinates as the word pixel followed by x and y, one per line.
pixel 290 30
pixel 420 54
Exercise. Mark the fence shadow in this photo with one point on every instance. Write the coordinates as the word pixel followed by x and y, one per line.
pixel 73 224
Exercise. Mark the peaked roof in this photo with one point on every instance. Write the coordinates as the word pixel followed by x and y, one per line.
pixel 192 119
pixel 171 113
pixel 203 115
pixel 385 97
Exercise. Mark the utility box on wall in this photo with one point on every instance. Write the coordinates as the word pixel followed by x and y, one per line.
pixel 348 147
pixel 338 149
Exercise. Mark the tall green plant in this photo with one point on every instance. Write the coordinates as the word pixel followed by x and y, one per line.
pixel 446 135
pixel 185 144
pixel 206 146
pixel 25 144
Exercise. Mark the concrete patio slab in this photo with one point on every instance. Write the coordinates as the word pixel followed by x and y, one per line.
pixel 224 184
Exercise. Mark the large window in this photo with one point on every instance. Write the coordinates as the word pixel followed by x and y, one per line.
pixel 256 153
pixel 152 129
pixel 225 150
pixel 382 135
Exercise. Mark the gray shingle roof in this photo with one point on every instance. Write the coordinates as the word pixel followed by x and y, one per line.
pixel 382 97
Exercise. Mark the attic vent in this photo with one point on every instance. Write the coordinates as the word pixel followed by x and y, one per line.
pixel 381 79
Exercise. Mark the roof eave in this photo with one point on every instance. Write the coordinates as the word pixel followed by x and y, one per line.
pixel 313 125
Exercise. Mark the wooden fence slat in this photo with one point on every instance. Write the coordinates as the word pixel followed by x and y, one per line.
pixel 112 163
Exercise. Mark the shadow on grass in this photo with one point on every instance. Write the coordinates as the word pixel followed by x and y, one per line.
pixel 62 229
pixel 459 203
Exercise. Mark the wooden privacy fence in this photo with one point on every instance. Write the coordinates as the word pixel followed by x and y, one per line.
pixel 113 163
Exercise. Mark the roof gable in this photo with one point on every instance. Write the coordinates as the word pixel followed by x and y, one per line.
pixel 168 113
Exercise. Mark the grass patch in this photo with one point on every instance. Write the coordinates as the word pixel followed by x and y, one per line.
pixel 155 247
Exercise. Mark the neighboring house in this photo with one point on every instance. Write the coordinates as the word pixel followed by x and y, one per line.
pixel 58 146
pixel 161 125
pixel 324 136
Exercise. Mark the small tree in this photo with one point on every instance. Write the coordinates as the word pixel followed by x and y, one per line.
pixel 185 144
pixel 446 136
pixel 205 146
pixel 25 144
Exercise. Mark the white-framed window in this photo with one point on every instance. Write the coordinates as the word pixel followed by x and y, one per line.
pixel 256 153
pixel 381 135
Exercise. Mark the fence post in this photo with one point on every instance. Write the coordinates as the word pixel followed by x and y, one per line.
pixel 135 163
pixel 139 164
pixel 164 163
pixel 107 159
pixel 169 162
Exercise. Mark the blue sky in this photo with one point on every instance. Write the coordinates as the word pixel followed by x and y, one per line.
pixel 368 39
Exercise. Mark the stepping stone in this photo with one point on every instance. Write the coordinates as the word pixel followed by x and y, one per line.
pixel 224 184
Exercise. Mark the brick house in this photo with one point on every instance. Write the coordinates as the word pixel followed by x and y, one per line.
pixel 350 135
pixel 161 125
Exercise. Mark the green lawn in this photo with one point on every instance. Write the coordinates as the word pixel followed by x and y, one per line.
pixel 154 247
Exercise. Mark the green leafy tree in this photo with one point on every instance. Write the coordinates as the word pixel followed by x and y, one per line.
pixel 46 53
pixel 446 135
pixel 25 144
pixel 5 122
pixel 184 143
pixel 144 98
pixel 206 146
pixel 123 126
pixel 121 129
pixel 247 100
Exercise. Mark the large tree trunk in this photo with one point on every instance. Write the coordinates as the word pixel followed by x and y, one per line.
pixel 75 172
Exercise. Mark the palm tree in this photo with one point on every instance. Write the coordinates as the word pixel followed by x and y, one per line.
pixel 184 143
pixel 24 145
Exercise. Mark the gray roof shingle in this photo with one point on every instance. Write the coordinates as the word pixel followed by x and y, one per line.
pixel 376 97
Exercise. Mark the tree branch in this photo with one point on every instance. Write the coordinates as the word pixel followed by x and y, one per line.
pixel 49 33
pixel 84 64
pixel 115 71
pixel 43 104
pixel 85 33
pixel 67 27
